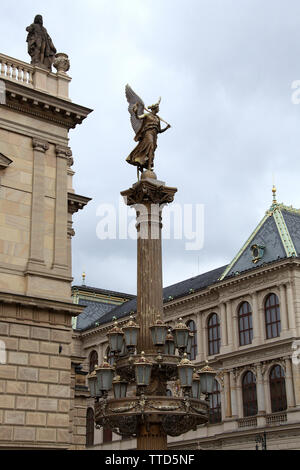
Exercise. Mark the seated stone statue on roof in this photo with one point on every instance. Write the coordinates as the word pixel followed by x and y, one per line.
pixel 40 46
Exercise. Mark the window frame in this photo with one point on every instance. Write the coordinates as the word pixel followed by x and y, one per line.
pixel 194 348
pixel 246 318
pixel 93 360
pixel 214 343
pixel 278 400
pixel 249 394
pixel 270 310
pixel 215 408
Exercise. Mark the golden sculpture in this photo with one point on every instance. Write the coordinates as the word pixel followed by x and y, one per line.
pixel 146 127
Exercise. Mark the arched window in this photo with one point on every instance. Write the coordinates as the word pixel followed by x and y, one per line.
pixel 169 392
pixel 93 361
pixel 90 427
pixel 277 389
pixel 249 394
pixel 245 324
pixel 192 326
pixel 214 334
pixel 272 315
pixel 215 415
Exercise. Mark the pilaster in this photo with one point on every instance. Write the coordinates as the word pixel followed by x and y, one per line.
pixel 36 256
pixel 60 258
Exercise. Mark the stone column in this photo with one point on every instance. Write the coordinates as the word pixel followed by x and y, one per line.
pixel 224 338
pixel 256 316
pixel 234 404
pixel 229 323
pixel 228 410
pixel 201 356
pixel 283 309
pixel 261 407
pixel 60 259
pixel 147 197
pixel 290 396
pixel 36 255
pixel 267 393
pixel 291 310
pixel 235 329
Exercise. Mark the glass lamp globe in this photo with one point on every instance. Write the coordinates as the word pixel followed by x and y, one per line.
pixel 142 370
pixel 185 372
pixel 207 377
pixel 105 374
pixel 115 338
pixel 159 332
pixel 131 332
pixel 181 335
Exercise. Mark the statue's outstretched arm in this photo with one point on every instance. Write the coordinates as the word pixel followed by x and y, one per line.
pixel 165 129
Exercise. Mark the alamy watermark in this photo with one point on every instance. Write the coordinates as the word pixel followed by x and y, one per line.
pixel 180 222
pixel 2 92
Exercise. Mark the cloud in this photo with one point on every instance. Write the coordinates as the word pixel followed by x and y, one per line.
pixel 224 69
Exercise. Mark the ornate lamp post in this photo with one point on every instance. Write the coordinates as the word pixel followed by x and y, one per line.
pixel 153 357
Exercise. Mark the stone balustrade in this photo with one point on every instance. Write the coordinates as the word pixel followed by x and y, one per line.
pixel 52 83
pixel 16 70
pixel 276 418
pixel 250 421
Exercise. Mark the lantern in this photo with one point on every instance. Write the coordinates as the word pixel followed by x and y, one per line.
pixel 143 370
pixel 119 387
pixel 207 377
pixel 185 372
pixel 159 332
pixel 169 344
pixel 196 386
pixel 115 337
pixel 92 381
pixel 181 335
pixel 131 331
pixel 105 374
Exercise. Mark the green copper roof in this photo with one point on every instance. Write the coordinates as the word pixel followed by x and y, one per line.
pixel 277 234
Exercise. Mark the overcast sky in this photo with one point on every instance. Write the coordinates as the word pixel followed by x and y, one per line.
pixel 224 69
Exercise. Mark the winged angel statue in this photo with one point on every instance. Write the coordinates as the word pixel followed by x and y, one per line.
pixel 146 127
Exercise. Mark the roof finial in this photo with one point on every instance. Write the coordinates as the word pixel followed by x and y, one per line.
pixel 83 278
pixel 274 194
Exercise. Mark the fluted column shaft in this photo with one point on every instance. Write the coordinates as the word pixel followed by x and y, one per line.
pixel 149 272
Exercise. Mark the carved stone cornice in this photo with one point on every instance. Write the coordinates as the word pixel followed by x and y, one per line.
pixel 40 145
pixel 40 303
pixel 77 202
pixel 44 106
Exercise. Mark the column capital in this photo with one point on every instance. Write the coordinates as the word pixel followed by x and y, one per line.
pixel 40 145
pixel 64 152
pixel 149 192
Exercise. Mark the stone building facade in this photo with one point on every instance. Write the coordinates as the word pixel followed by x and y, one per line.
pixel 41 406
pixel 246 322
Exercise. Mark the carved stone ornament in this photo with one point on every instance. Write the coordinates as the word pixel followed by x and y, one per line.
pixel 145 192
pixel 61 62
pixel 63 152
pixel 40 145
